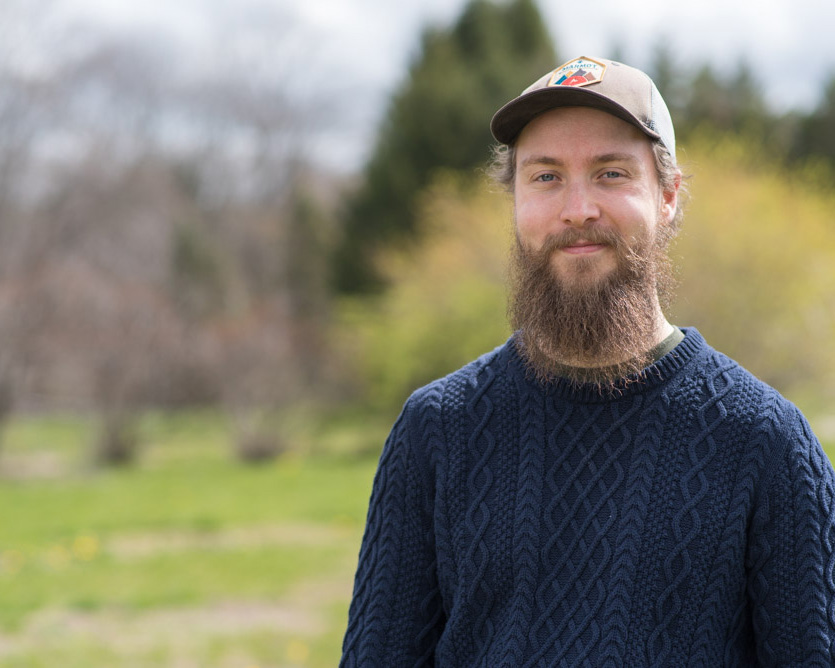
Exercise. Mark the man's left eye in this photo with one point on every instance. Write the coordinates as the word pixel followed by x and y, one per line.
pixel 612 174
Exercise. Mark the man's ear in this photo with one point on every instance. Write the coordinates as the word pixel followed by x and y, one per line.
pixel 669 200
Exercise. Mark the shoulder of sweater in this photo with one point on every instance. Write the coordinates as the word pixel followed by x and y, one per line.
pixel 433 393
pixel 719 363
pixel 791 453
pixel 779 430
pixel 785 433
pixel 773 406
pixel 431 407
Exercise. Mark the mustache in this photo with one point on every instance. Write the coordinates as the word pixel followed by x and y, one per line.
pixel 572 236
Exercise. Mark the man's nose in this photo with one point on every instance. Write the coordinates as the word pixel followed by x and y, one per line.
pixel 579 207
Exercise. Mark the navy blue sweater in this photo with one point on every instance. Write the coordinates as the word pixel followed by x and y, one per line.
pixel 688 520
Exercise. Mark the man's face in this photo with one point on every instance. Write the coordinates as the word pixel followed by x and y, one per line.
pixel 592 226
pixel 585 179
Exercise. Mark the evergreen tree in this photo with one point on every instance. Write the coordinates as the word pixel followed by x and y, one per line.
pixel 710 102
pixel 726 101
pixel 816 132
pixel 439 119
pixel 667 75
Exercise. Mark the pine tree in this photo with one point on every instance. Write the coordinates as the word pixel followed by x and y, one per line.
pixel 816 132
pixel 439 119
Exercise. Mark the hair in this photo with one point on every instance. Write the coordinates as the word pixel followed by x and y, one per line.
pixel 502 170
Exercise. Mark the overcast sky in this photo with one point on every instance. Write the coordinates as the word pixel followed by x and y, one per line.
pixel 365 45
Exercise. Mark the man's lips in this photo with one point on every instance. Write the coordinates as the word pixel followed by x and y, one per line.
pixel 583 247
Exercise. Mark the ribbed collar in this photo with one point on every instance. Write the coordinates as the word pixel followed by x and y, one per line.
pixel 654 375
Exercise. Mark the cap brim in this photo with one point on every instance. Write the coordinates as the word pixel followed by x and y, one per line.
pixel 508 121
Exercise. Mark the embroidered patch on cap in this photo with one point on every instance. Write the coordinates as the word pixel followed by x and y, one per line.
pixel 578 72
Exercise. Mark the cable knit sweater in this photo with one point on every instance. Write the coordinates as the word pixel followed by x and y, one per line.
pixel 688 520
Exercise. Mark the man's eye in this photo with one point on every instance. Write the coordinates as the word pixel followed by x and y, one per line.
pixel 545 178
pixel 612 174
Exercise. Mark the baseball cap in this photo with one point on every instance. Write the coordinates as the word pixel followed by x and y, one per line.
pixel 621 90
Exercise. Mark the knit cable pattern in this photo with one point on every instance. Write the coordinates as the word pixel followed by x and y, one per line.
pixel 687 519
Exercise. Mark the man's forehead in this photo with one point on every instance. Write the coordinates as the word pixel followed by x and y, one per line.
pixel 559 133
pixel 582 121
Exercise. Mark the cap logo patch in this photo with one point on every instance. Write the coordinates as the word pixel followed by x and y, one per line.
pixel 578 72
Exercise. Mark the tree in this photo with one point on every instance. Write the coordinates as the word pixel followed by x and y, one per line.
pixel 154 246
pixel 666 72
pixel 816 132
pixel 726 101
pixel 439 118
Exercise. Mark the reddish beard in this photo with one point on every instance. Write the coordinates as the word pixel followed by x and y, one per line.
pixel 570 323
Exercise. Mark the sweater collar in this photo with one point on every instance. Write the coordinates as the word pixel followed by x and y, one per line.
pixel 652 376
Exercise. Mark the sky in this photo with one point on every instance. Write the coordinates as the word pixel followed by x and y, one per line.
pixel 362 47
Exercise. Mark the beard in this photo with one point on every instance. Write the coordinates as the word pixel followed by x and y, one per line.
pixel 587 328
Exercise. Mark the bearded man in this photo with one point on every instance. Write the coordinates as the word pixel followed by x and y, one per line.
pixel 605 489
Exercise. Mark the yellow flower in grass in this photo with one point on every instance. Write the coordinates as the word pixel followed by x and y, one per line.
pixel 85 547
pixel 297 652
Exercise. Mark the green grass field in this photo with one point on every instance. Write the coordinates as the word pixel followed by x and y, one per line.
pixel 189 558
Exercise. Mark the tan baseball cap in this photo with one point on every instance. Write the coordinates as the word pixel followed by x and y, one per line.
pixel 618 89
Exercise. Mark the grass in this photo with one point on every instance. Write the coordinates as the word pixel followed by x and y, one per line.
pixel 188 558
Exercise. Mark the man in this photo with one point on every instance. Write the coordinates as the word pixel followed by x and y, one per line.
pixel 605 489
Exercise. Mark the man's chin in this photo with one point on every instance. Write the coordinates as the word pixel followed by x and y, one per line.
pixel 581 271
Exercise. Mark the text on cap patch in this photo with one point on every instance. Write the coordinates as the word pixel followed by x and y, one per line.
pixel 578 72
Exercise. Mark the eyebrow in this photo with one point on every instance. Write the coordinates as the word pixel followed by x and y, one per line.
pixel 599 159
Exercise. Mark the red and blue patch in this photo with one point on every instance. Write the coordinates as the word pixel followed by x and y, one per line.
pixel 578 72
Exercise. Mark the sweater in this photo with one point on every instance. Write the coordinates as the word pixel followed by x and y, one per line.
pixel 686 518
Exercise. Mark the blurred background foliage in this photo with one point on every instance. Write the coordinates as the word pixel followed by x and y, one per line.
pixel 181 287
pixel 756 262
pixel 166 241
pixel 439 118
pixel 445 300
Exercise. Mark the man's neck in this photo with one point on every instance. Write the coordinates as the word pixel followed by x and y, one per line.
pixel 665 330
pixel 602 373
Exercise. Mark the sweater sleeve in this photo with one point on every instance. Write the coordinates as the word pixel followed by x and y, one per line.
pixel 791 560
pixel 396 615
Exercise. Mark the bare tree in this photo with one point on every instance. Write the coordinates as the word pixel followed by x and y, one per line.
pixel 155 245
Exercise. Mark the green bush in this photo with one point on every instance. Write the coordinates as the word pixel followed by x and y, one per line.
pixel 757 265
pixel 446 301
